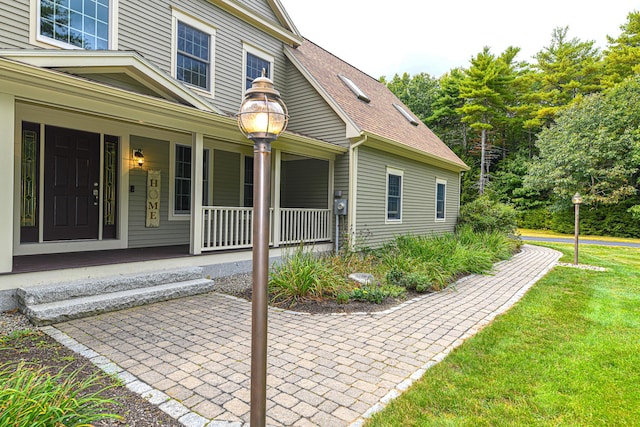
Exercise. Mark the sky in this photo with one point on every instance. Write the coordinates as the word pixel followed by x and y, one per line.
pixel 383 38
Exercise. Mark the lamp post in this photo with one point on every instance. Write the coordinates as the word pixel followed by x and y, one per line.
pixel 577 200
pixel 262 117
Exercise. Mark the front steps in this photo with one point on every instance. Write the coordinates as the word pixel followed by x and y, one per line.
pixel 63 301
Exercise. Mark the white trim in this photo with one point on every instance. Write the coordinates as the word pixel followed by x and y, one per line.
pixel 444 211
pixel 247 48
pixel 36 39
pixel 395 172
pixel 258 21
pixel 172 183
pixel 178 15
pixel 197 154
pixel 8 174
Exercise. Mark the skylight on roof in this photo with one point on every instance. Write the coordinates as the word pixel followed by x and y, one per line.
pixel 406 115
pixel 355 89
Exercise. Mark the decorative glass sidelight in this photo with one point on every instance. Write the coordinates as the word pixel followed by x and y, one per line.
pixel 29 175
pixel 109 194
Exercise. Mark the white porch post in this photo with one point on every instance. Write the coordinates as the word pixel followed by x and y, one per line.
pixel 197 157
pixel 7 133
pixel 276 198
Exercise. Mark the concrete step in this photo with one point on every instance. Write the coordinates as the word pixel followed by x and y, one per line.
pixel 43 294
pixel 62 310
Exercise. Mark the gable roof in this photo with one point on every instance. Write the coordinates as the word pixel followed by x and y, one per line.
pixel 370 108
pixel 124 69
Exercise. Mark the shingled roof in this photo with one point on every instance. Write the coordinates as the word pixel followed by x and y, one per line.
pixel 375 112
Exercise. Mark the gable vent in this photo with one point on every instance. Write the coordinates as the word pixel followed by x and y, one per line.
pixel 406 115
pixel 355 89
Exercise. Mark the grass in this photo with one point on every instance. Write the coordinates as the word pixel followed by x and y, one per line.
pixel 568 354
pixel 31 397
pixel 548 233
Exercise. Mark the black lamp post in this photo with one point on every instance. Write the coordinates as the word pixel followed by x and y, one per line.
pixel 577 200
pixel 262 117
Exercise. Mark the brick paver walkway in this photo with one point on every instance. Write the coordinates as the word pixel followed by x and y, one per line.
pixel 192 356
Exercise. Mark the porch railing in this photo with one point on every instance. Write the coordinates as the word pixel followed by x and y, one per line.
pixel 232 227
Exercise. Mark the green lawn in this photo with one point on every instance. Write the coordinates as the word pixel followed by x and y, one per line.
pixel 568 354
pixel 527 232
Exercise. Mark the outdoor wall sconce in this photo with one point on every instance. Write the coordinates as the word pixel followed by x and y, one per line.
pixel 262 118
pixel 138 156
pixel 577 201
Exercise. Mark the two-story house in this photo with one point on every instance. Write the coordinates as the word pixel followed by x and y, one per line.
pixel 118 131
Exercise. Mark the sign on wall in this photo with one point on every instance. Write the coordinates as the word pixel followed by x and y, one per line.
pixel 153 199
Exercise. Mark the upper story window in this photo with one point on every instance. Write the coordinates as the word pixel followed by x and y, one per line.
pixel 394 195
pixel 255 62
pixel 82 24
pixel 192 51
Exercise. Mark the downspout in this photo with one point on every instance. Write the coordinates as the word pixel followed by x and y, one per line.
pixel 353 186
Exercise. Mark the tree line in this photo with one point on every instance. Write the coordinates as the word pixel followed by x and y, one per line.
pixel 535 133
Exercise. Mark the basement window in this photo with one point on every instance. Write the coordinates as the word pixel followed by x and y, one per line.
pixel 355 89
pixel 406 115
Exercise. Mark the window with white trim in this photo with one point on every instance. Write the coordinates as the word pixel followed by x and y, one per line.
pixel 76 24
pixel 441 199
pixel 254 62
pixel 394 195
pixel 182 179
pixel 193 43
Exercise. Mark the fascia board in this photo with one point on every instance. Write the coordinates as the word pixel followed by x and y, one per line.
pixel 352 130
pixel 258 21
pixel 143 71
pixel 283 16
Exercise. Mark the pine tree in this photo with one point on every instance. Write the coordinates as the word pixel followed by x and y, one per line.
pixel 622 57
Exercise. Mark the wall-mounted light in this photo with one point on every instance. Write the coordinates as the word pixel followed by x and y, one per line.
pixel 138 156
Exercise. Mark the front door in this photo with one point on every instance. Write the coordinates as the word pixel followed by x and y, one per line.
pixel 71 184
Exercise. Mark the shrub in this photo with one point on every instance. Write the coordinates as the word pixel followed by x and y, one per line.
pixel 303 276
pixel 33 398
pixel 377 293
pixel 485 214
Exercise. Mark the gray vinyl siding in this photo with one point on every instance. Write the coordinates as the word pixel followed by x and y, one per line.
pixel 156 154
pixel 418 197
pixel 262 8
pixel 341 183
pixel 304 184
pixel 153 41
pixel 309 113
pixel 14 24
pixel 226 178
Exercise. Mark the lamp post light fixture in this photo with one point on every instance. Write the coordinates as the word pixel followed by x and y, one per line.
pixel 262 118
pixel 577 200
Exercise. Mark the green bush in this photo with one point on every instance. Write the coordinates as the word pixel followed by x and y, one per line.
pixel 303 276
pixel 485 215
pixel 377 293
pixel 33 398
pixel 536 219
pixel 605 220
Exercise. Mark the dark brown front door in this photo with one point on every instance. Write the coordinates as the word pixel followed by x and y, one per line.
pixel 71 184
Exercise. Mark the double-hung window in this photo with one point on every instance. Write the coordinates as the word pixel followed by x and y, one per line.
pixel 441 199
pixel 255 62
pixel 193 51
pixel 394 195
pixel 83 24
pixel 182 179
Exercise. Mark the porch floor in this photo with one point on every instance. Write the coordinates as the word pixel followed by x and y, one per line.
pixel 48 262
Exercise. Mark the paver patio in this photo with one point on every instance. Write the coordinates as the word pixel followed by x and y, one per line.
pixel 192 356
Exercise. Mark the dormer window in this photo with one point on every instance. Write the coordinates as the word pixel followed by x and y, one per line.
pixel 406 115
pixel 79 24
pixel 354 88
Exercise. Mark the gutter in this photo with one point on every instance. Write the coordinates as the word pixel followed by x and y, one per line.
pixel 353 188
